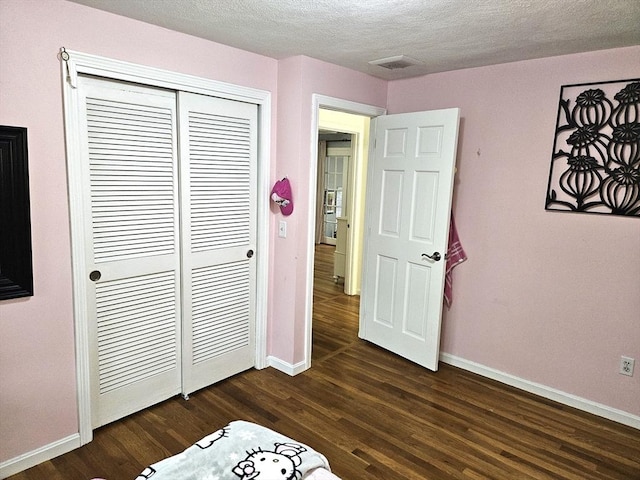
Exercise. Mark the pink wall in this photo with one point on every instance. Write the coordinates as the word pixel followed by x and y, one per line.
pixel 298 79
pixel 549 297
pixel 552 298
pixel 36 334
pixel 37 365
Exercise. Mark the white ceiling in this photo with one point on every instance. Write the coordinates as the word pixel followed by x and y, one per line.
pixel 443 34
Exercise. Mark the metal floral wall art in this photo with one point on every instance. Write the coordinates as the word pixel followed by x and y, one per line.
pixel 595 167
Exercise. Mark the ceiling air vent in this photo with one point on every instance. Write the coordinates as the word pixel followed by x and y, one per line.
pixel 394 63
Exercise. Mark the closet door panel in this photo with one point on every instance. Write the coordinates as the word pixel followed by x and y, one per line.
pixel 132 244
pixel 218 151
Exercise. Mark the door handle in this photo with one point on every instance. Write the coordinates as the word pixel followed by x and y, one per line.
pixel 435 256
pixel 95 276
pixel 249 253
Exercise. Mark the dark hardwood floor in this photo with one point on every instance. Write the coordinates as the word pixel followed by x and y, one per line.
pixel 374 415
pixel 335 315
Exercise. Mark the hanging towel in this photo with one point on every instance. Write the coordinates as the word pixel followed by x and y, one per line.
pixel 455 256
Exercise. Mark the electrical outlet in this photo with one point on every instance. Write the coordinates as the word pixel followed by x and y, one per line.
pixel 626 366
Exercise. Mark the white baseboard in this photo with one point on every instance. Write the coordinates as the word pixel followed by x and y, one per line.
pixel 42 454
pixel 544 391
pixel 285 367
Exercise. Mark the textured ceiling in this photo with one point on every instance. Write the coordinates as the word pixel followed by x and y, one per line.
pixel 442 34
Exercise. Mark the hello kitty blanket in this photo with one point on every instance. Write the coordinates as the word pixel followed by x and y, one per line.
pixel 241 451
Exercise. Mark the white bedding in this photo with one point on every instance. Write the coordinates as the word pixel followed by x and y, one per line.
pixel 243 451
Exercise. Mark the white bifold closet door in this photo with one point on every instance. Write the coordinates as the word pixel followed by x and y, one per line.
pixel 167 201
pixel 218 203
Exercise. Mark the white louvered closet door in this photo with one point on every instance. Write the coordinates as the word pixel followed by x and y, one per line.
pixel 131 211
pixel 218 151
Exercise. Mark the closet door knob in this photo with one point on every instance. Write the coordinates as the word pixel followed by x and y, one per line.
pixel 95 276
pixel 249 253
pixel 435 257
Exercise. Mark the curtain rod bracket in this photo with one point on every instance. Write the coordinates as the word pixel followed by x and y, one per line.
pixel 71 78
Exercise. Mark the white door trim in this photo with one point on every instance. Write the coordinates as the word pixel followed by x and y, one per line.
pixel 82 63
pixel 322 101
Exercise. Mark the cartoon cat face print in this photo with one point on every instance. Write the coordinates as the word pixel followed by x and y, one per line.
pixel 280 464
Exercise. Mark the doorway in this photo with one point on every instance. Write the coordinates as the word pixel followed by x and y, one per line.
pixel 335 314
pixel 430 137
pixel 335 156
pixel 341 188
pixel 357 171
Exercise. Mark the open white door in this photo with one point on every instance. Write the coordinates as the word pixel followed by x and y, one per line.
pixel 409 193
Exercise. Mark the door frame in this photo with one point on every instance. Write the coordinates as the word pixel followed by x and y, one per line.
pixel 74 63
pixel 330 103
pixel 342 152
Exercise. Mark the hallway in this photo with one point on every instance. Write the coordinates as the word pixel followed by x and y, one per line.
pixel 335 315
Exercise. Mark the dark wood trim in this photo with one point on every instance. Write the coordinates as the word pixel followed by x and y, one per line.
pixel 16 269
